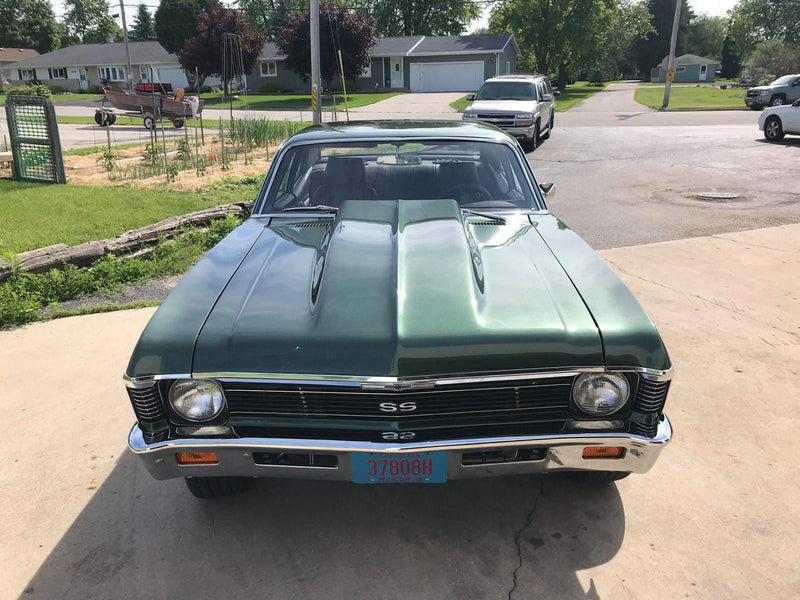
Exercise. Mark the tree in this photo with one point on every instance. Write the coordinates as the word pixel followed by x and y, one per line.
pixel 756 21
pixel 731 64
pixel 176 21
pixel 423 17
pixel 351 31
pixel 143 28
pixel 202 53
pixel 704 36
pixel 89 21
pixel 771 59
pixel 29 24
pixel 267 15
pixel 651 51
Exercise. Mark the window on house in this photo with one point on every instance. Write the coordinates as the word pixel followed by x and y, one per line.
pixel 26 74
pixel 144 74
pixel 111 73
pixel 508 67
pixel 366 71
pixel 269 68
pixel 680 69
pixel 58 73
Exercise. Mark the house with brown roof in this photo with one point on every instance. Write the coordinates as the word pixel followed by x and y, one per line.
pixel 9 57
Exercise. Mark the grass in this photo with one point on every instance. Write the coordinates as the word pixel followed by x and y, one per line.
pixel 24 295
pixel 704 97
pixel 296 101
pixel 34 215
pixel 574 93
pixel 87 120
pixel 62 98
pixel 60 313
pixel 96 149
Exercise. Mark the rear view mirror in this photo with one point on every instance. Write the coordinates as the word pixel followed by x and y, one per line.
pixel 547 188
pixel 556 93
pixel 547 97
pixel 470 97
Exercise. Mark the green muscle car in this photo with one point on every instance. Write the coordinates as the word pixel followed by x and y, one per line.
pixel 400 308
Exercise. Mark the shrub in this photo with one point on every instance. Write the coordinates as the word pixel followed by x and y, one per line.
pixel 56 89
pixel 93 89
pixel 33 89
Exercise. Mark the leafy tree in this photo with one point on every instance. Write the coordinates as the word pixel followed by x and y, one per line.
pixel 731 64
pixel 651 51
pixel 423 17
pixel 176 21
pixel 704 36
pixel 267 15
pixel 89 21
pixel 203 52
pixel 756 21
pixel 29 24
pixel 771 59
pixel 351 31
pixel 143 28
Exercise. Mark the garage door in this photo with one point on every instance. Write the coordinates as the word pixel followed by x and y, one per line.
pixel 446 77
pixel 174 76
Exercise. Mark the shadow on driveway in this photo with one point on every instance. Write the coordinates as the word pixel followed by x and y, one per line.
pixel 302 539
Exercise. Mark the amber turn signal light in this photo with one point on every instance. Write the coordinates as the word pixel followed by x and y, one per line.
pixel 197 458
pixel 603 452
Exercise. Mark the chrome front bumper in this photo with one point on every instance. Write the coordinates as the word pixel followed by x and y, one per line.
pixel 560 452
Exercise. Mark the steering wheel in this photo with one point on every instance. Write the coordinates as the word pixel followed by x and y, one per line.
pixel 468 193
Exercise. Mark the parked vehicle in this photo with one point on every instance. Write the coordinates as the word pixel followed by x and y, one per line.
pixel 522 105
pixel 777 121
pixel 151 102
pixel 399 308
pixel 784 90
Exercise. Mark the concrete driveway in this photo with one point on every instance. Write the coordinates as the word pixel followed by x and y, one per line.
pixel 425 106
pixel 715 518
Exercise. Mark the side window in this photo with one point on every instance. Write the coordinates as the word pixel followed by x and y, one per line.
pixel 540 89
pixel 549 86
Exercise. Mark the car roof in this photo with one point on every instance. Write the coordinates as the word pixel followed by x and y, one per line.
pixel 517 77
pixel 398 130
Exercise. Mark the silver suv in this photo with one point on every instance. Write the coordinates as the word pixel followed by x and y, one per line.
pixel 522 105
pixel 784 90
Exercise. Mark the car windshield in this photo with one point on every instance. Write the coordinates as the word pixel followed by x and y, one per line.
pixel 785 80
pixel 519 90
pixel 477 175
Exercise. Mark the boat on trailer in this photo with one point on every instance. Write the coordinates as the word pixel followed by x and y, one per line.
pixel 151 102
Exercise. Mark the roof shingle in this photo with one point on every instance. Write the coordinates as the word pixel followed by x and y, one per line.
pixel 89 55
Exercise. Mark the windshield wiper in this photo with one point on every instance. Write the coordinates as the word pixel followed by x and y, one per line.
pixel 485 215
pixel 316 207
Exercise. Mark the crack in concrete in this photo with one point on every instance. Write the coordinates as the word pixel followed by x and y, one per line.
pixel 728 309
pixel 743 243
pixel 518 536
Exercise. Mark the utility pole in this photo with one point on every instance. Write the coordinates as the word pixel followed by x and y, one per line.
pixel 316 81
pixel 127 47
pixel 676 23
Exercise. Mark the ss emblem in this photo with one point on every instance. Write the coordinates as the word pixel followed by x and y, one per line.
pixel 397 407
pixel 394 435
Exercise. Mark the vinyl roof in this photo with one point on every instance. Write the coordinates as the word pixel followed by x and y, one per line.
pixel 89 55
pixel 689 59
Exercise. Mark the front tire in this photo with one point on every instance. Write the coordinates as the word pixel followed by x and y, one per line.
pixel 773 129
pixel 149 122
pixel 217 487
pixel 597 477
pixel 777 100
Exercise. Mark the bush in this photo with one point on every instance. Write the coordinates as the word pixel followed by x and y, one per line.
pixel 772 59
pixel 93 89
pixel 268 88
pixel 33 89
pixel 56 89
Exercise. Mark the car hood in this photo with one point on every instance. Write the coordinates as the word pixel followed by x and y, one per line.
pixel 397 288
pixel 505 106
pixel 760 88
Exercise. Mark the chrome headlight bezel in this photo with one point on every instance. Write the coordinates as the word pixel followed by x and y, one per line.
pixel 599 395
pixel 196 400
pixel 523 117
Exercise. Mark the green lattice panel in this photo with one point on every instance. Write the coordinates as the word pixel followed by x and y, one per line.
pixel 35 145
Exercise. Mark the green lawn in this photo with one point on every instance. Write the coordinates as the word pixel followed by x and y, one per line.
pixel 61 98
pixel 296 101
pixel 691 97
pixel 580 90
pixel 33 215
pixel 68 120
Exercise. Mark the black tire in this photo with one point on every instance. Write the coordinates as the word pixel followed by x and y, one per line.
pixel 149 122
pixel 755 107
pixel 546 136
pixel 217 487
pixel 113 118
pixel 102 118
pixel 597 477
pixel 773 129
pixel 178 123
pixel 777 100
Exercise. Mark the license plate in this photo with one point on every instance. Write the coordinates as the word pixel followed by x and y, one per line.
pixel 412 467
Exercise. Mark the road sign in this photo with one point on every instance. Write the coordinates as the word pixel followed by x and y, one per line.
pixel 671 75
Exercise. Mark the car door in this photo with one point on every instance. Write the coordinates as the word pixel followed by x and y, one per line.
pixel 794 90
pixel 545 106
pixel 790 118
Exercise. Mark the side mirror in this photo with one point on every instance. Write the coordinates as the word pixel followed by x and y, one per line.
pixel 547 188
pixel 470 97
pixel 547 97
pixel 556 93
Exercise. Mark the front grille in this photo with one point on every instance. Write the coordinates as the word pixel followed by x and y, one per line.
pixel 751 93
pixel 648 405
pixel 497 119
pixel 545 399
pixel 493 222
pixel 147 404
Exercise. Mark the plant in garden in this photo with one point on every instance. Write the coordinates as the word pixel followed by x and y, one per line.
pixel 172 171
pixel 109 160
pixel 152 155
pixel 184 152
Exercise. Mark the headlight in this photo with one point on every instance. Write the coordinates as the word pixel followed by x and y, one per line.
pixel 469 115
pixel 600 394
pixel 523 117
pixel 196 399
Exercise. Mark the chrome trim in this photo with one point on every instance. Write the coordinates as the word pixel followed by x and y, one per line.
pixel 147 381
pixel 564 452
